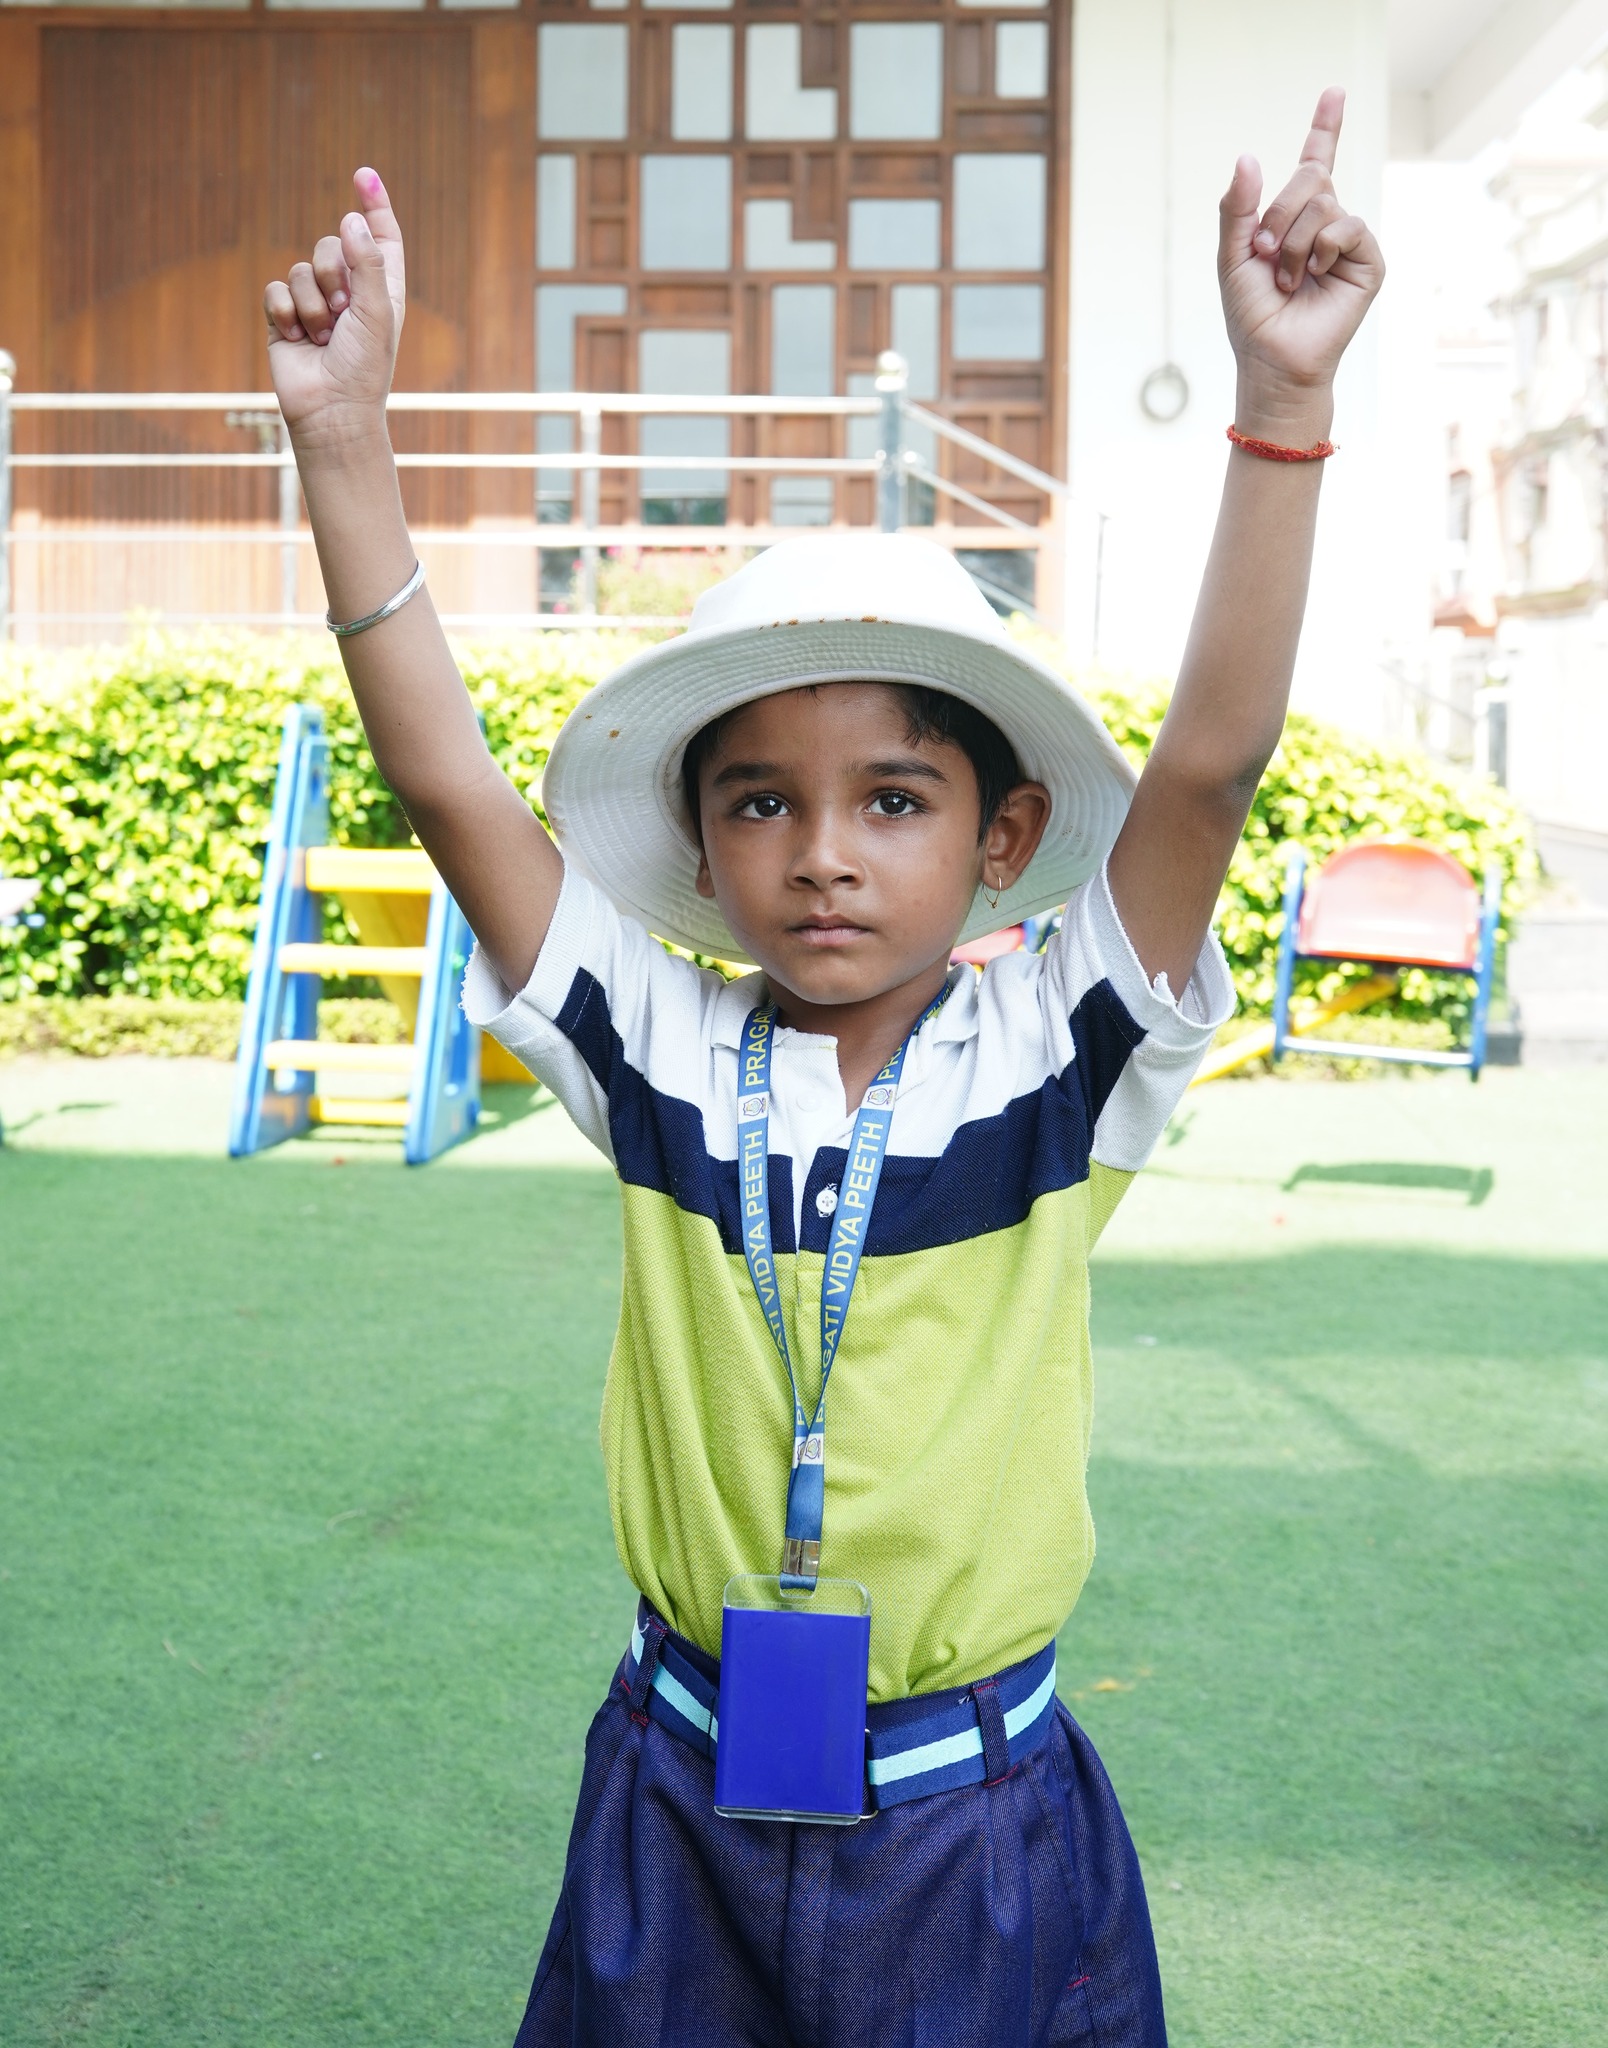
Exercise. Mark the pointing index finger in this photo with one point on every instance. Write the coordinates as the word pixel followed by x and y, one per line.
pixel 1323 137
pixel 375 203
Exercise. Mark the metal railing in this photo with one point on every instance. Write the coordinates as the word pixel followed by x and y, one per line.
pixel 885 439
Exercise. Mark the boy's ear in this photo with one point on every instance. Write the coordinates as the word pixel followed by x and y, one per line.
pixel 1013 838
pixel 705 884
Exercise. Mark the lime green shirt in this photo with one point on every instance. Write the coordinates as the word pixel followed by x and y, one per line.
pixel 958 1425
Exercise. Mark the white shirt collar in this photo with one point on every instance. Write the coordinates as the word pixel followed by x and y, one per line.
pixel 954 1023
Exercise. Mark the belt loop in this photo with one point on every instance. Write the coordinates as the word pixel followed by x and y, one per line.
pixel 996 1744
pixel 653 1634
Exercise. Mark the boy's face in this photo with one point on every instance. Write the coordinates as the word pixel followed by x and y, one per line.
pixel 843 855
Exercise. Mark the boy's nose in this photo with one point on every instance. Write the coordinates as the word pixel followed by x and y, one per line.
pixel 822 858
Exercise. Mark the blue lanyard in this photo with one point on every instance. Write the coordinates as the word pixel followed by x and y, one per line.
pixel 806 1490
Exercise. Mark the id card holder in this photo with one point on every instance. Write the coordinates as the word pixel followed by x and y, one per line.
pixel 794 1670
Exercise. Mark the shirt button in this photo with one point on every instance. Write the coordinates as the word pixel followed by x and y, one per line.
pixel 826 1201
pixel 809 1104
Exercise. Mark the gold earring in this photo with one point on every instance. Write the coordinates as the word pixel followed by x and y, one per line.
pixel 993 894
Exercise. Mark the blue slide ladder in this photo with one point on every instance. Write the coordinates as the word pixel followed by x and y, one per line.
pixel 280 1053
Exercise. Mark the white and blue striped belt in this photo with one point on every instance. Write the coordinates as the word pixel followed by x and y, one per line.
pixel 933 1742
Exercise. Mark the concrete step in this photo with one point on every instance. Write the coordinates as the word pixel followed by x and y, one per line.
pixel 1557 979
pixel 1560 953
pixel 1576 859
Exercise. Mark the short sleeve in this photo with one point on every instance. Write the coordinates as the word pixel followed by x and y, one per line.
pixel 604 1002
pixel 1134 1047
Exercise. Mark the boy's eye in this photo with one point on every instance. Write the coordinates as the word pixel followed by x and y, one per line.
pixel 894 803
pixel 764 805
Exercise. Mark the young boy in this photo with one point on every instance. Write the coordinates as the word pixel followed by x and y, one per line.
pixel 842 768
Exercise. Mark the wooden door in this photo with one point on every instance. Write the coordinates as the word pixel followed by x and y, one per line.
pixel 181 166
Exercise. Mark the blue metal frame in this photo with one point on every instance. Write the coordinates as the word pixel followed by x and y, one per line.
pixel 31 921
pixel 444 1091
pixel 1483 974
pixel 444 1094
pixel 280 1005
pixel 1294 890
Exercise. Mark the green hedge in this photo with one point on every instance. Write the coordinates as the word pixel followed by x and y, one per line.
pixel 98 1027
pixel 138 781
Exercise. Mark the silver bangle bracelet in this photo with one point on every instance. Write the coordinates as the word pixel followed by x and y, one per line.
pixel 411 588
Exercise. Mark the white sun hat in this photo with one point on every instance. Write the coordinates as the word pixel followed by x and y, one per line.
pixel 820 609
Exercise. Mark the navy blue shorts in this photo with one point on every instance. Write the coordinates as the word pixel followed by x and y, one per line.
pixel 1009 1914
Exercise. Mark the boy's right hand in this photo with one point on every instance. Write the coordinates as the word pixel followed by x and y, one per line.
pixel 334 327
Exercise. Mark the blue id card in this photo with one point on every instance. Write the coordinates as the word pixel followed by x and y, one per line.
pixel 794 1669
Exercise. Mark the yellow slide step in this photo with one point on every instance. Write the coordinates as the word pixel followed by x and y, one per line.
pixel 315 1055
pixel 305 958
pixel 369 870
pixel 1256 1044
pixel 357 1109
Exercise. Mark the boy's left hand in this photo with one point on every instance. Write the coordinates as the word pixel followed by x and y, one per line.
pixel 1297 279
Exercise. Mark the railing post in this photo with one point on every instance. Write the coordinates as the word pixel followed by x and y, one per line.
pixel 8 374
pixel 893 374
pixel 1099 588
pixel 591 501
pixel 289 522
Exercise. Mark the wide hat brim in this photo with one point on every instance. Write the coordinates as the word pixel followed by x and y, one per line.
pixel 612 787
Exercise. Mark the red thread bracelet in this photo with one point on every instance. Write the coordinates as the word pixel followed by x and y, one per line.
pixel 1271 451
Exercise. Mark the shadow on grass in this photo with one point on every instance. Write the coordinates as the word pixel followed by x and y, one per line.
pixel 16 1125
pixel 504 1103
pixel 1473 1182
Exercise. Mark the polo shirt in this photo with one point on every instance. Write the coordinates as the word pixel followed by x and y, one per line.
pixel 958 1419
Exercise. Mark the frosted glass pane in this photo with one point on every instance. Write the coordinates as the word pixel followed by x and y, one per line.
pixel 658 436
pixel 555 213
pixel 804 340
pixel 915 335
pixel 768 240
pixel 700 82
pixel 581 94
pixel 998 323
pixel 801 501
pixel 1022 60
pixel 779 107
pixel 555 435
pixel 693 362
pixel 686 212
pixel 557 307
pixel 893 234
pixel 862 436
pixel 896 79
pixel 999 212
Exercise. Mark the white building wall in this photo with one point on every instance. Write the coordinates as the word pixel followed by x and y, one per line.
pixel 1558 718
pixel 1247 74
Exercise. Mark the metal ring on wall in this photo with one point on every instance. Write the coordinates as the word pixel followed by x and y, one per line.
pixel 1164 393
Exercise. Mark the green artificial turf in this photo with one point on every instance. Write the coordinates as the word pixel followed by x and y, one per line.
pixel 307 1587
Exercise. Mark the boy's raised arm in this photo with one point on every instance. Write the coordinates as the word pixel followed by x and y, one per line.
pixel 332 335
pixel 1295 286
